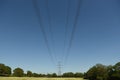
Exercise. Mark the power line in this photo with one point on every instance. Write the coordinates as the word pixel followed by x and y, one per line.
pixel 50 26
pixel 66 27
pixel 38 13
pixel 73 30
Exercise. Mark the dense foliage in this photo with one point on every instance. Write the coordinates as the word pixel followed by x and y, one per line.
pixel 29 73
pixel 5 70
pixel 97 72
pixel 18 72
pixel 102 72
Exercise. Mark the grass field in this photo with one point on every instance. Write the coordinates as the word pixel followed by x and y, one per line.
pixel 27 78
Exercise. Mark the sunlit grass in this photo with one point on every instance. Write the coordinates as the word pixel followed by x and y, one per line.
pixel 31 78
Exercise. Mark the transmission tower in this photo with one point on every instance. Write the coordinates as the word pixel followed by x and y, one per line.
pixel 59 68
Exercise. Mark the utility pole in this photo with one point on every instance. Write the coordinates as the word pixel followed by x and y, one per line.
pixel 59 68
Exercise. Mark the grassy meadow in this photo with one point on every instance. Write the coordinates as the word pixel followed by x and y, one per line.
pixel 31 78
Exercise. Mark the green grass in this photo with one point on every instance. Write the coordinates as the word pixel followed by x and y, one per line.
pixel 31 78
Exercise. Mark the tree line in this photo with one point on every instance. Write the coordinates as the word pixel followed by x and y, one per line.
pixel 6 71
pixel 97 72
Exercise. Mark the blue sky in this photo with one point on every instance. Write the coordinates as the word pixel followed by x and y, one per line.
pixel 96 40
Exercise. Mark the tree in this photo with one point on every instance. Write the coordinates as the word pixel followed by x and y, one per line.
pixel 49 75
pixel 54 75
pixel 117 66
pixel 29 74
pixel 114 72
pixel 18 72
pixel 5 70
pixel 68 74
pixel 78 75
pixel 97 72
pixel 2 69
pixel 35 75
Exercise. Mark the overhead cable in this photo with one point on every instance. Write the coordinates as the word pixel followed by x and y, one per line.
pixel 73 30
pixel 38 14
